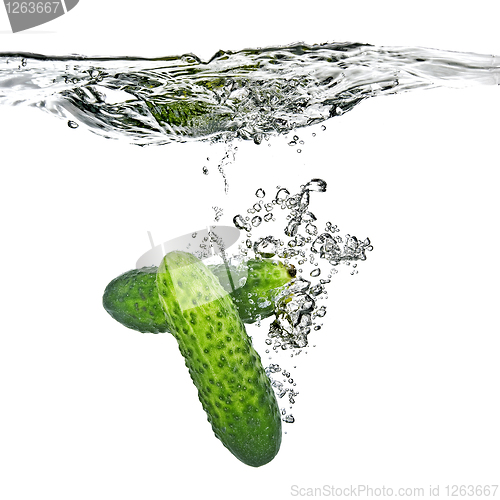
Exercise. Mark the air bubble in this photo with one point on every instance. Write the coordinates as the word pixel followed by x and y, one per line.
pixel 256 221
pixel 266 247
pixel 241 223
pixel 318 185
pixel 282 194
pixel 320 313
pixel 308 217
pixel 311 229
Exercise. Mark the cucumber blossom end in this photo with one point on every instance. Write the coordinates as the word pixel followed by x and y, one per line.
pixel 132 300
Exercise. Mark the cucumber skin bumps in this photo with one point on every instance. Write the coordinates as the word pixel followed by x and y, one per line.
pixel 132 298
pixel 233 387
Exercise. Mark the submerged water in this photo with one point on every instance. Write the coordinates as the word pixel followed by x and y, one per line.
pixel 250 94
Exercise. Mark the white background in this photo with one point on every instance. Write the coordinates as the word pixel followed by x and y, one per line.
pixel 401 388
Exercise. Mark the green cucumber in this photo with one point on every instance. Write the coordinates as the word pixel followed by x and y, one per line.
pixel 233 387
pixel 264 279
pixel 187 114
pixel 132 298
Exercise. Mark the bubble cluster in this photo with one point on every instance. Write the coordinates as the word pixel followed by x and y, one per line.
pixel 218 213
pixel 284 387
pixel 316 254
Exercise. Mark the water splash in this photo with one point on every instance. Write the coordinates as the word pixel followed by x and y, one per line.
pixel 251 94
pixel 314 257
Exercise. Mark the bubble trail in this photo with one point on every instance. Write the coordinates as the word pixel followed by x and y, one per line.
pixel 298 308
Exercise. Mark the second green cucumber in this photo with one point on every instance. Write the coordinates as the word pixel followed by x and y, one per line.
pixel 132 298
